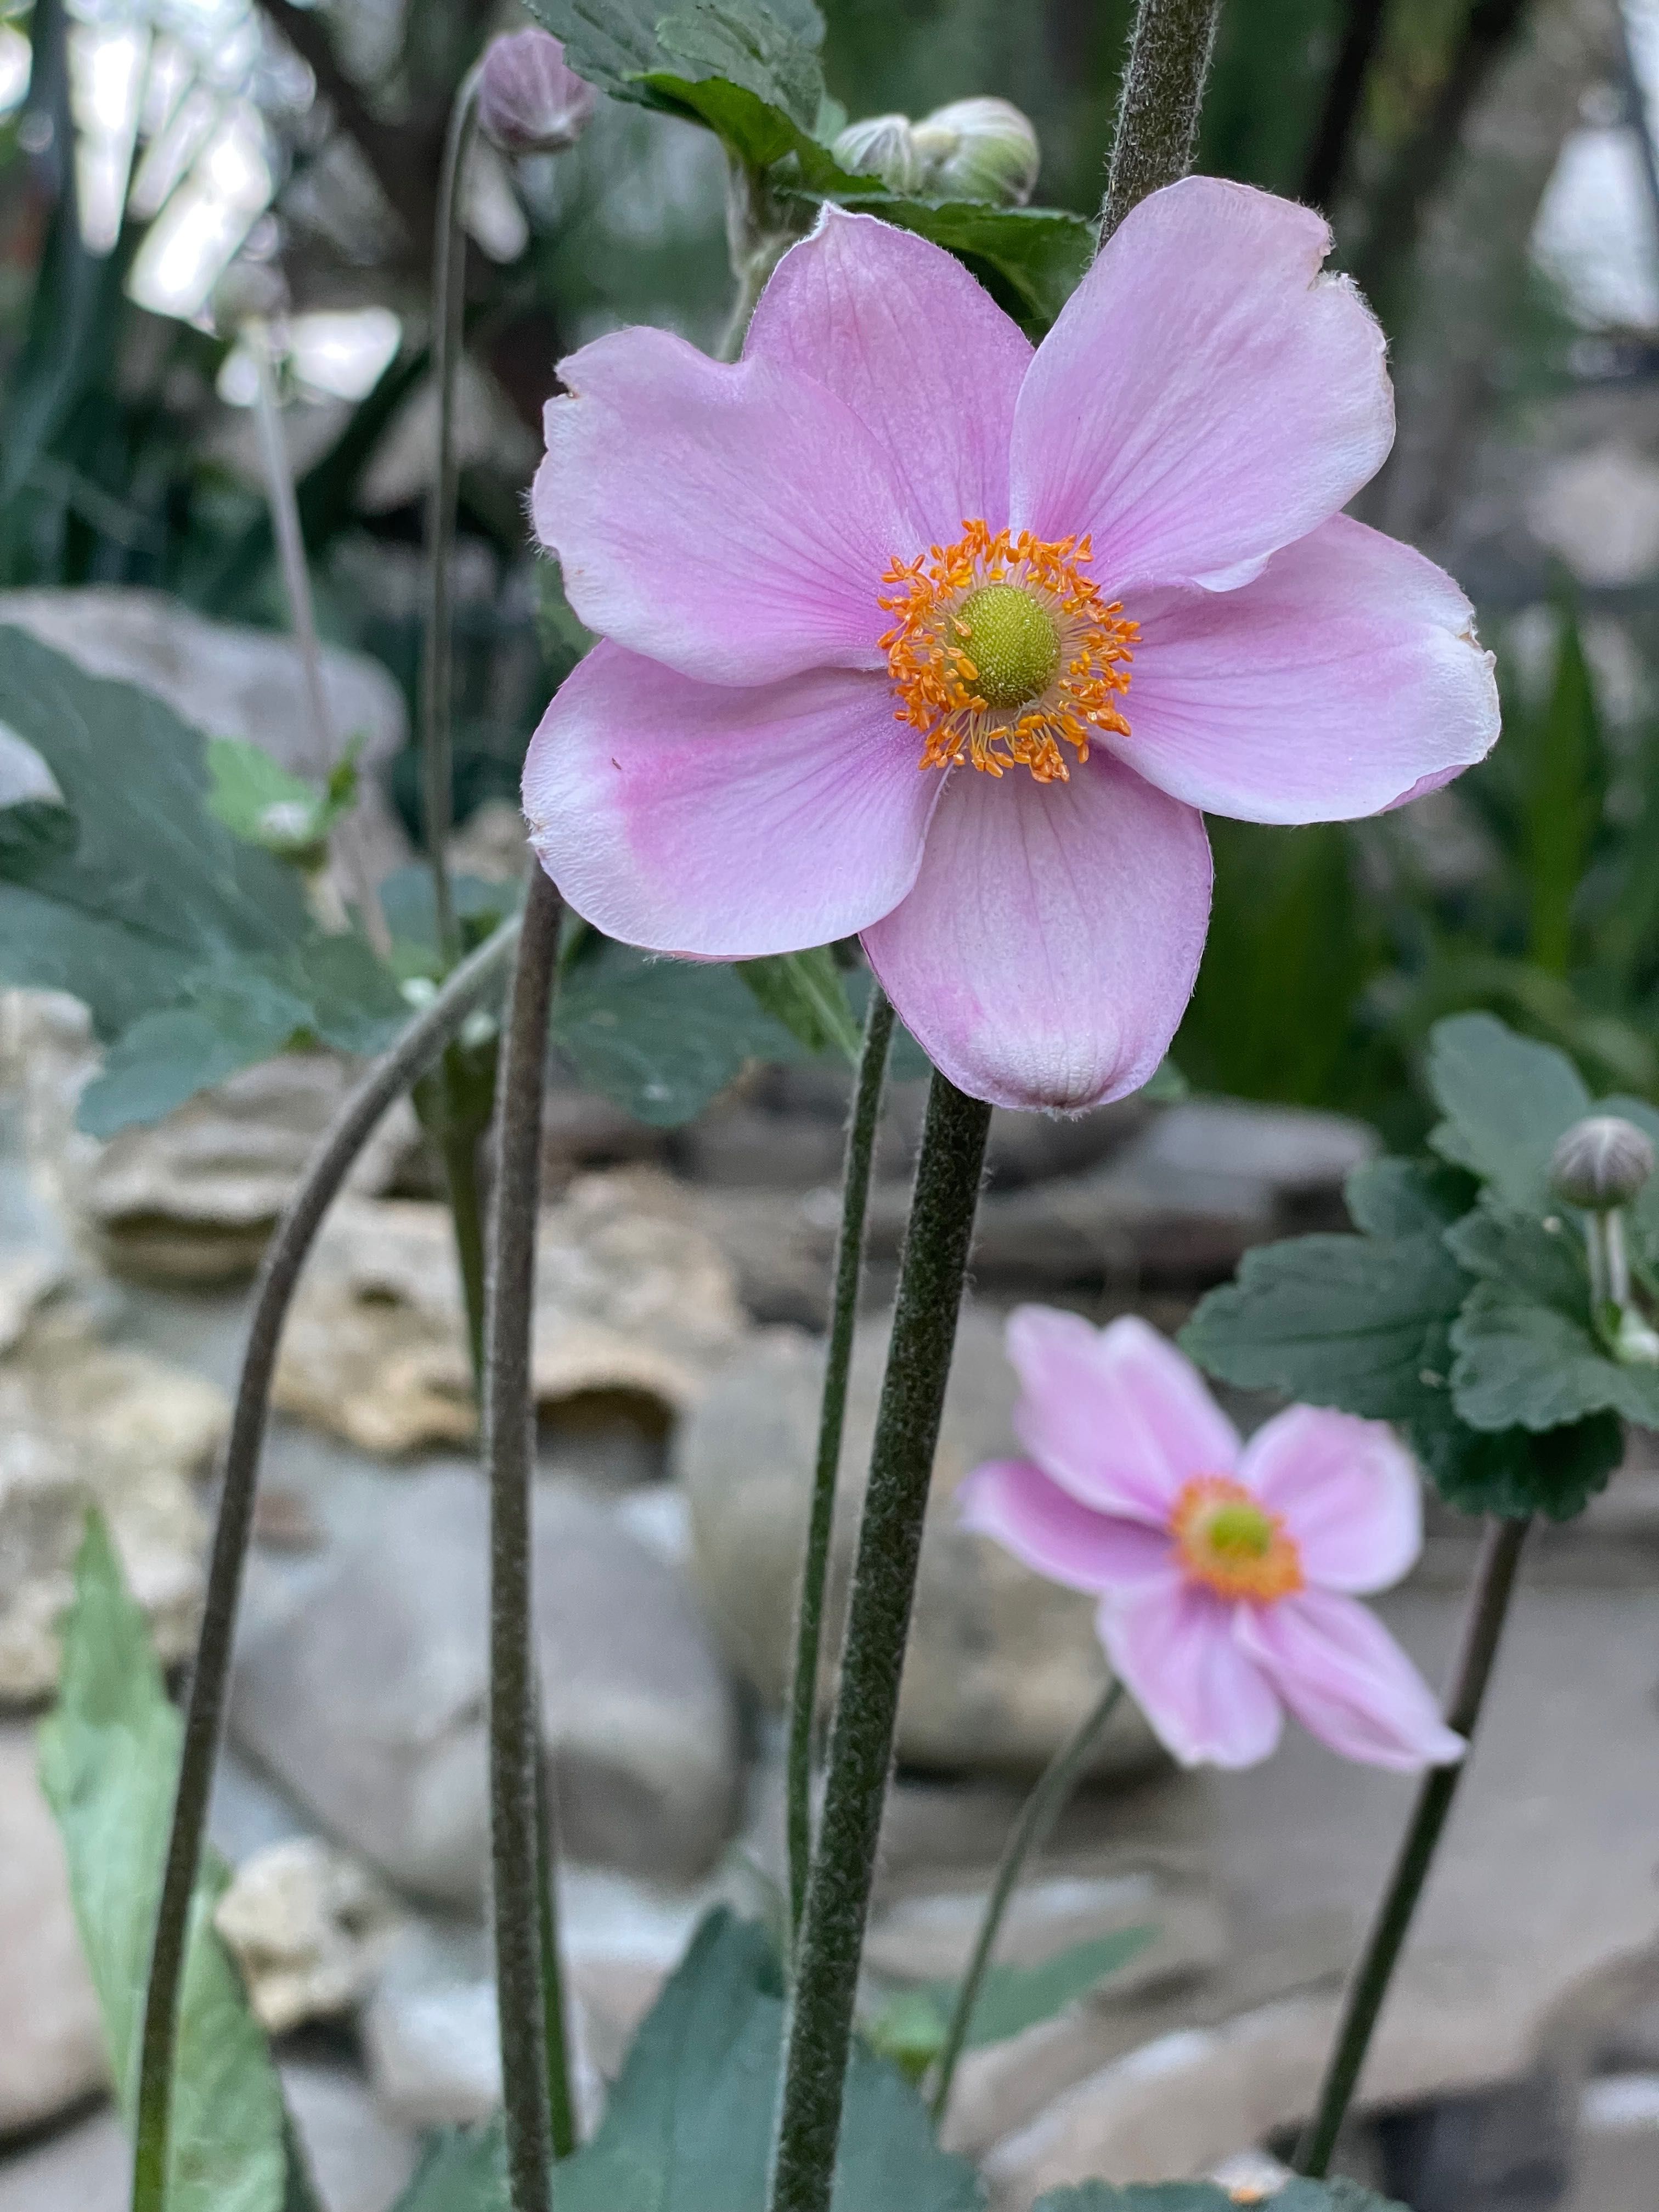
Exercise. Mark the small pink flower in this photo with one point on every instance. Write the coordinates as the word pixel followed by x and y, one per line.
pixel 1225 1571
pixel 530 99
pixel 913 632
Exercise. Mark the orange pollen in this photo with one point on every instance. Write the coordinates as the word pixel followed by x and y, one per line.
pixel 940 689
pixel 1228 1540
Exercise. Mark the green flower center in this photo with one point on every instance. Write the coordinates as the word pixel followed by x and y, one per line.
pixel 1238 1531
pixel 1013 642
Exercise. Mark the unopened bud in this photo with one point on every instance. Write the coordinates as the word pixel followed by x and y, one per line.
pixel 882 146
pixel 978 150
pixel 530 99
pixel 1601 1161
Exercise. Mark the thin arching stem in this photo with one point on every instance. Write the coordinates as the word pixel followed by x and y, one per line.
pixel 1489 1602
pixel 515 1780
pixel 838 1360
pixel 820 2033
pixel 389 1077
pixel 448 293
pixel 1158 109
pixel 1031 1832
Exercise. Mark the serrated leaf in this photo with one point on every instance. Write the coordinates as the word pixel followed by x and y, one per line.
pixel 464 2169
pixel 109 1753
pixel 1505 1099
pixel 1512 1472
pixel 1406 1198
pixel 804 992
pixel 33 833
pixel 619 44
pixel 748 46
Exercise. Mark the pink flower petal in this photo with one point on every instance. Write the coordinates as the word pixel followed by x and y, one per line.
pixel 1117 1416
pixel 1175 1651
pixel 1206 396
pixel 1048 951
pixel 691 818
pixel 1018 1505
pixel 889 323
pixel 1347 1681
pixel 733 521
pixel 1348 1491
pixel 1347 676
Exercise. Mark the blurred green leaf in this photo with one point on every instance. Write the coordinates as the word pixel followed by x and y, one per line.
pixel 1298 2194
pixel 109 1753
pixel 1402 1198
pixel 262 803
pixel 464 2169
pixel 1514 1472
pixel 911 2027
pixel 1505 1100
pixel 1563 764
pixel 1168 1085
pixel 34 833
pixel 804 992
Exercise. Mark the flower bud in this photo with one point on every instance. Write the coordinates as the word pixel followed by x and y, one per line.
pixel 1601 1161
pixel 978 150
pixel 881 146
pixel 530 99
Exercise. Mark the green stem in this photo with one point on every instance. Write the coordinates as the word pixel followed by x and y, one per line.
pixel 437 677
pixel 1158 109
pixel 820 2031
pixel 521 1918
pixel 838 1360
pixel 1031 1832
pixel 279 1273
pixel 1489 1600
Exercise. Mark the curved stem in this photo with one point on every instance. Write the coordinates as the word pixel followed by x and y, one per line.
pixel 1031 1832
pixel 838 1360
pixel 437 677
pixel 931 1278
pixel 1345 91
pixel 1158 109
pixel 509 1453
pixel 1489 1600
pixel 345 1138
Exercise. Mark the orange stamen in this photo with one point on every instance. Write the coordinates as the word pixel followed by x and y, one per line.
pixel 1228 1540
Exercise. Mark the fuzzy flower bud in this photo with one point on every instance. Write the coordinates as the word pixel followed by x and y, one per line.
pixel 530 99
pixel 1601 1162
pixel 979 150
pixel 882 146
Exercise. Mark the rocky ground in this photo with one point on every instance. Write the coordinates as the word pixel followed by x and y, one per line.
pixel 682 1281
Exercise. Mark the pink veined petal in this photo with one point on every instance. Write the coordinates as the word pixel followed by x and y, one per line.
pixel 922 354
pixel 1206 397
pixel 692 817
pixel 1048 951
pixel 1347 1681
pixel 1348 1491
pixel 1175 1651
pixel 1015 1505
pixel 1346 677
pixel 733 521
pixel 1117 1416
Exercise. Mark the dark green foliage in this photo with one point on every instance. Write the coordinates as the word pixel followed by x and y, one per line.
pixel 1297 2195
pixel 804 992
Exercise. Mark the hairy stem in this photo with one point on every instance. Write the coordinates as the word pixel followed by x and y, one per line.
pixel 878 1619
pixel 1489 1600
pixel 838 1360
pixel 437 669
pixel 460 1160
pixel 515 1780
pixel 1158 109
pixel 351 1128
pixel 560 2105
pixel 1031 1832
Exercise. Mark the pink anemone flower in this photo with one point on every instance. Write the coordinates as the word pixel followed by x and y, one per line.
pixel 1226 1571
pixel 913 632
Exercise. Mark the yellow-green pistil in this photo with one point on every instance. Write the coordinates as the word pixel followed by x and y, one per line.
pixel 1013 642
pixel 1240 1531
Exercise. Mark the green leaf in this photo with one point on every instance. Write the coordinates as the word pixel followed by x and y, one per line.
pixel 689 2125
pixel 804 992
pixel 660 1038
pixel 464 2169
pixel 1167 1085
pixel 34 833
pixel 1404 1197
pixel 262 805
pixel 1040 254
pixel 767 51
pixel 1505 1099
pixel 748 46
pixel 911 2027
pixel 109 1753
pixel 1512 1472
pixel 1297 2195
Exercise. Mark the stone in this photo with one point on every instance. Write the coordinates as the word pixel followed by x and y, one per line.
pixel 366 1700
pixel 930 1937
pixel 84 1424
pixel 51 2038
pixel 632 1301
pixel 1508 2148
pixel 304 1924
pixel 1001 1664
pixel 430 2029
pixel 1617 2146
pixel 86 2169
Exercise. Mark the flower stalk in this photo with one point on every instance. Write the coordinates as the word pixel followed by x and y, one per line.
pixel 838 1360
pixel 523 1948
pixel 1490 1592
pixel 931 1278
pixel 1031 1832
pixel 279 1274
pixel 1158 108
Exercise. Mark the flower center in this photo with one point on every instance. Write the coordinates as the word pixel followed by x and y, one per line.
pixel 1003 649
pixel 1230 1542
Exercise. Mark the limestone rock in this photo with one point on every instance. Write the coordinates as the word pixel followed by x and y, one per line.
pixel 51 2039
pixel 632 1301
pixel 1001 1664
pixel 367 1701
pixel 431 2033
pixel 82 1424
pixel 306 1924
